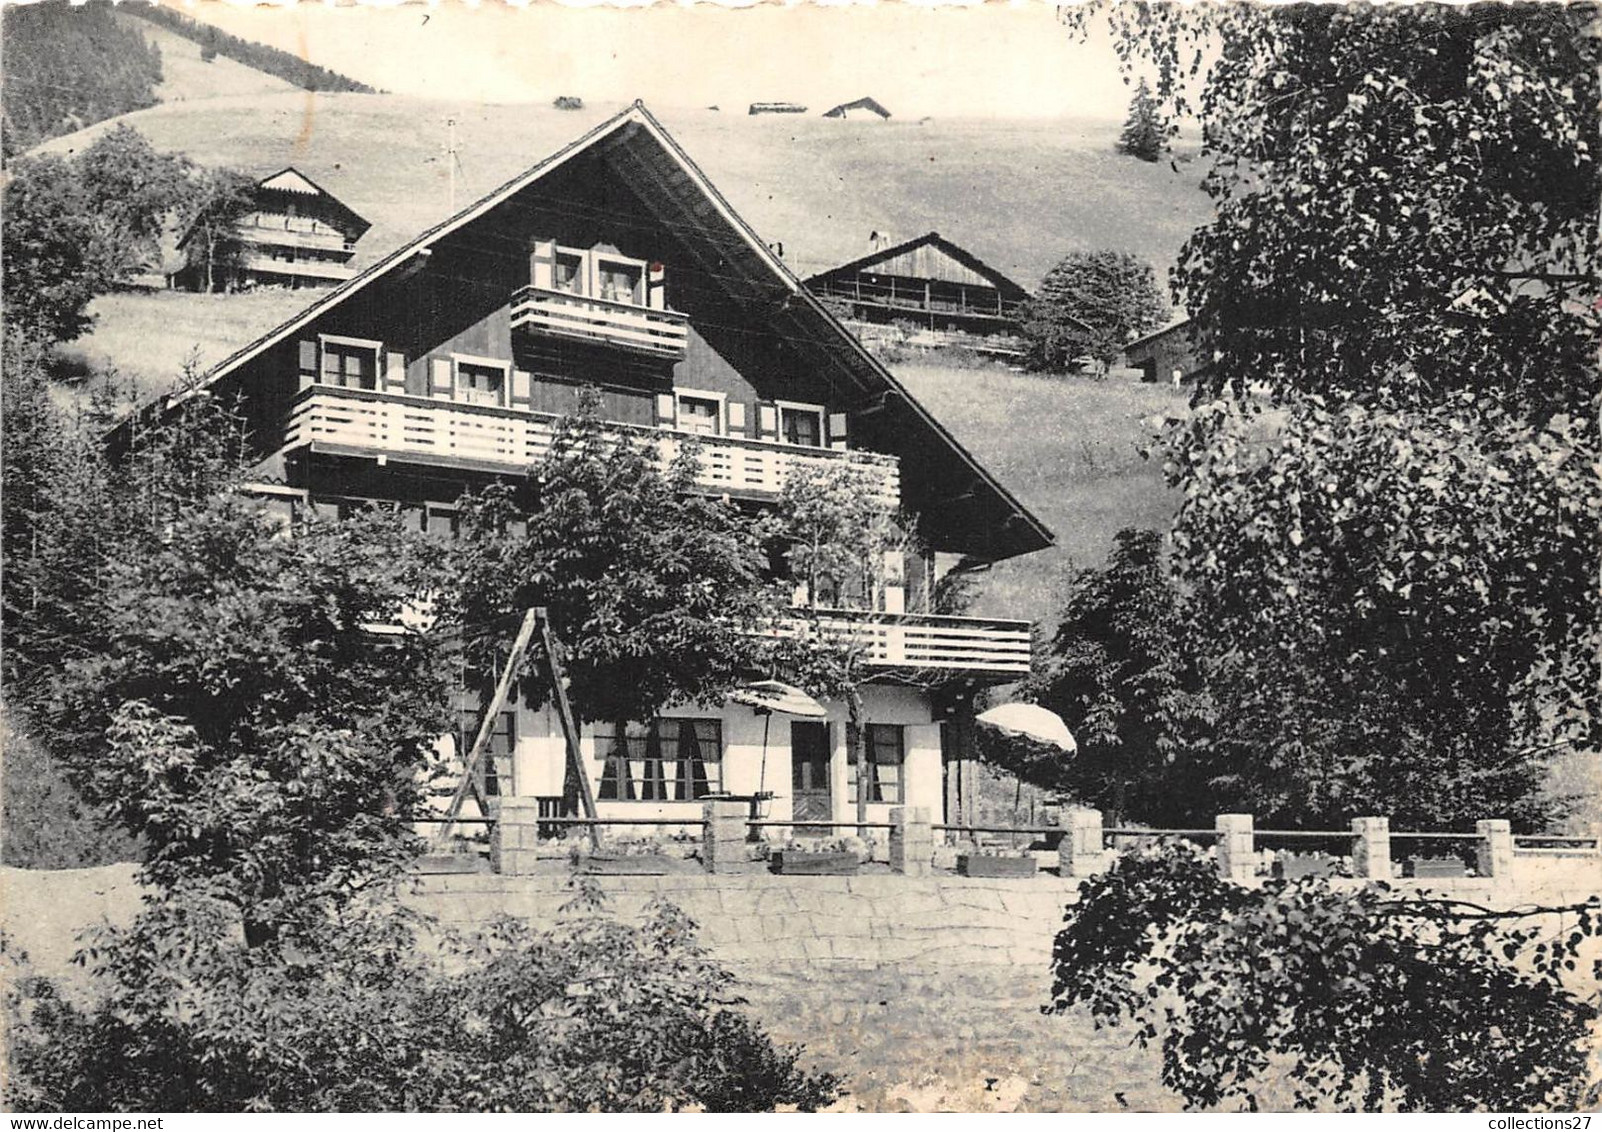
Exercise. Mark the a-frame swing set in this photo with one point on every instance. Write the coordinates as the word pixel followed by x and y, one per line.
pixel 577 780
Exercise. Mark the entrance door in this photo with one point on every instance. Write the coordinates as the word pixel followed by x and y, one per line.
pixel 809 775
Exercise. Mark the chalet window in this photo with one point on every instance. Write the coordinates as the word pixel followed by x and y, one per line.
pixel 620 281
pixel 569 272
pixel 666 760
pixel 801 424
pixel 350 363
pixel 700 412
pixel 481 381
pixel 886 752
pixel 495 772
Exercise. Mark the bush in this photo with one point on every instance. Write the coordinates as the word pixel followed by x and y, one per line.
pixel 1351 997
pixel 593 1014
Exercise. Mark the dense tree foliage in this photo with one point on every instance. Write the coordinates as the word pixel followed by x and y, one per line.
pixel 69 66
pixel 1406 195
pixel 1146 130
pixel 652 586
pixel 1336 997
pixel 1091 303
pixel 1411 614
pixel 269 60
pixel 219 200
pixel 79 227
pixel 1394 570
pixel 1123 669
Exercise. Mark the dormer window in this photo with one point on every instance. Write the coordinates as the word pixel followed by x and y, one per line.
pixel 601 272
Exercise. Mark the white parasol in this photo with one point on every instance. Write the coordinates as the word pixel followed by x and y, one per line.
pixel 771 695
pixel 1032 722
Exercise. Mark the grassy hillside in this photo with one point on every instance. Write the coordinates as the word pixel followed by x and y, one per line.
pixel 1069 449
pixel 186 77
pixel 1018 194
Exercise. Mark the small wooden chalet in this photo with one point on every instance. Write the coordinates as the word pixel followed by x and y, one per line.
pixel 297 234
pixel 776 108
pixel 861 108
pixel 615 263
pixel 1172 354
pixel 934 292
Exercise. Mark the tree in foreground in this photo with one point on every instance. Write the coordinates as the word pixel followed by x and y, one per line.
pixel 1091 303
pixel 653 587
pixel 1122 668
pixel 1146 130
pixel 1300 993
pixel 1394 564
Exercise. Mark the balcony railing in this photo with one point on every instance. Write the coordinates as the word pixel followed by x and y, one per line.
pixel 921 640
pixel 303 268
pixel 501 440
pixel 271 236
pixel 660 333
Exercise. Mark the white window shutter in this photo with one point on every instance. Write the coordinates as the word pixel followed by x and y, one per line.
pixel 736 411
pixel 308 363
pixel 440 379
pixel 767 421
pixel 664 410
pixel 395 372
pixel 837 431
pixel 542 264
pixel 522 389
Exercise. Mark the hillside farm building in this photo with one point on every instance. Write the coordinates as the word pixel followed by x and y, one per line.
pixel 615 263
pixel 1171 354
pixel 861 108
pixel 934 292
pixel 297 234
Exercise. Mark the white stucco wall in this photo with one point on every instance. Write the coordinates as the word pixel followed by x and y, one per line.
pixel 539 756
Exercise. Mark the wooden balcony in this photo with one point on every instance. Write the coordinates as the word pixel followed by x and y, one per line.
pixel 642 330
pixel 301 268
pixel 922 641
pixel 422 430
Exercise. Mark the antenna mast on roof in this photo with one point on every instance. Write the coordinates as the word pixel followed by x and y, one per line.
pixel 451 162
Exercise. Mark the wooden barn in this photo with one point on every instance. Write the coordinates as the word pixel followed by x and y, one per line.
pixel 1171 354
pixel 932 291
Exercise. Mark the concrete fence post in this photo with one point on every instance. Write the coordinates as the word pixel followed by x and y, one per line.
pixel 1237 857
pixel 911 841
pixel 723 838
pixel 514 836
pixel 1371 848
pixel 1493 853
pixel 1080 852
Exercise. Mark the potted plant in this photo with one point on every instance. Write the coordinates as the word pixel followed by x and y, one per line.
pixel 638 856
pixel 990 861
pixel 833 857
pixel 1435 867
pixel 1294 866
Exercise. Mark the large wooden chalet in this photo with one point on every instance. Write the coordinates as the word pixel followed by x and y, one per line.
pixel 935 292
pixel 296 234
pixel 613 262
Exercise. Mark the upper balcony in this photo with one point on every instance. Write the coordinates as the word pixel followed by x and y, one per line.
pixel 564 314
pixel 922 642
pixel 255 260
pixel 488 438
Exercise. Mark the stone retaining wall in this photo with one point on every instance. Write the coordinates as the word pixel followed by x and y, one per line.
pixel 860 921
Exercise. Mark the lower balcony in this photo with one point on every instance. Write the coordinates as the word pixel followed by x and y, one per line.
pixel 922 641
pixel 357 422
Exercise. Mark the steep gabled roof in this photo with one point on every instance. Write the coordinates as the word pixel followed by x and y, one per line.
pixel 292 180
pixel 860 104
pixel 745 262
pixel 1008 289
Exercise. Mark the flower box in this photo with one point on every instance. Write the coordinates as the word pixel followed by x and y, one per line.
pixel 634 865
pixel 1294 868
pixel 809 863
pixel 1435 867
pixel 977 865
pixel 436 864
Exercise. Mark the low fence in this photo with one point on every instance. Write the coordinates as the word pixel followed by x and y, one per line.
pixel 1083 846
